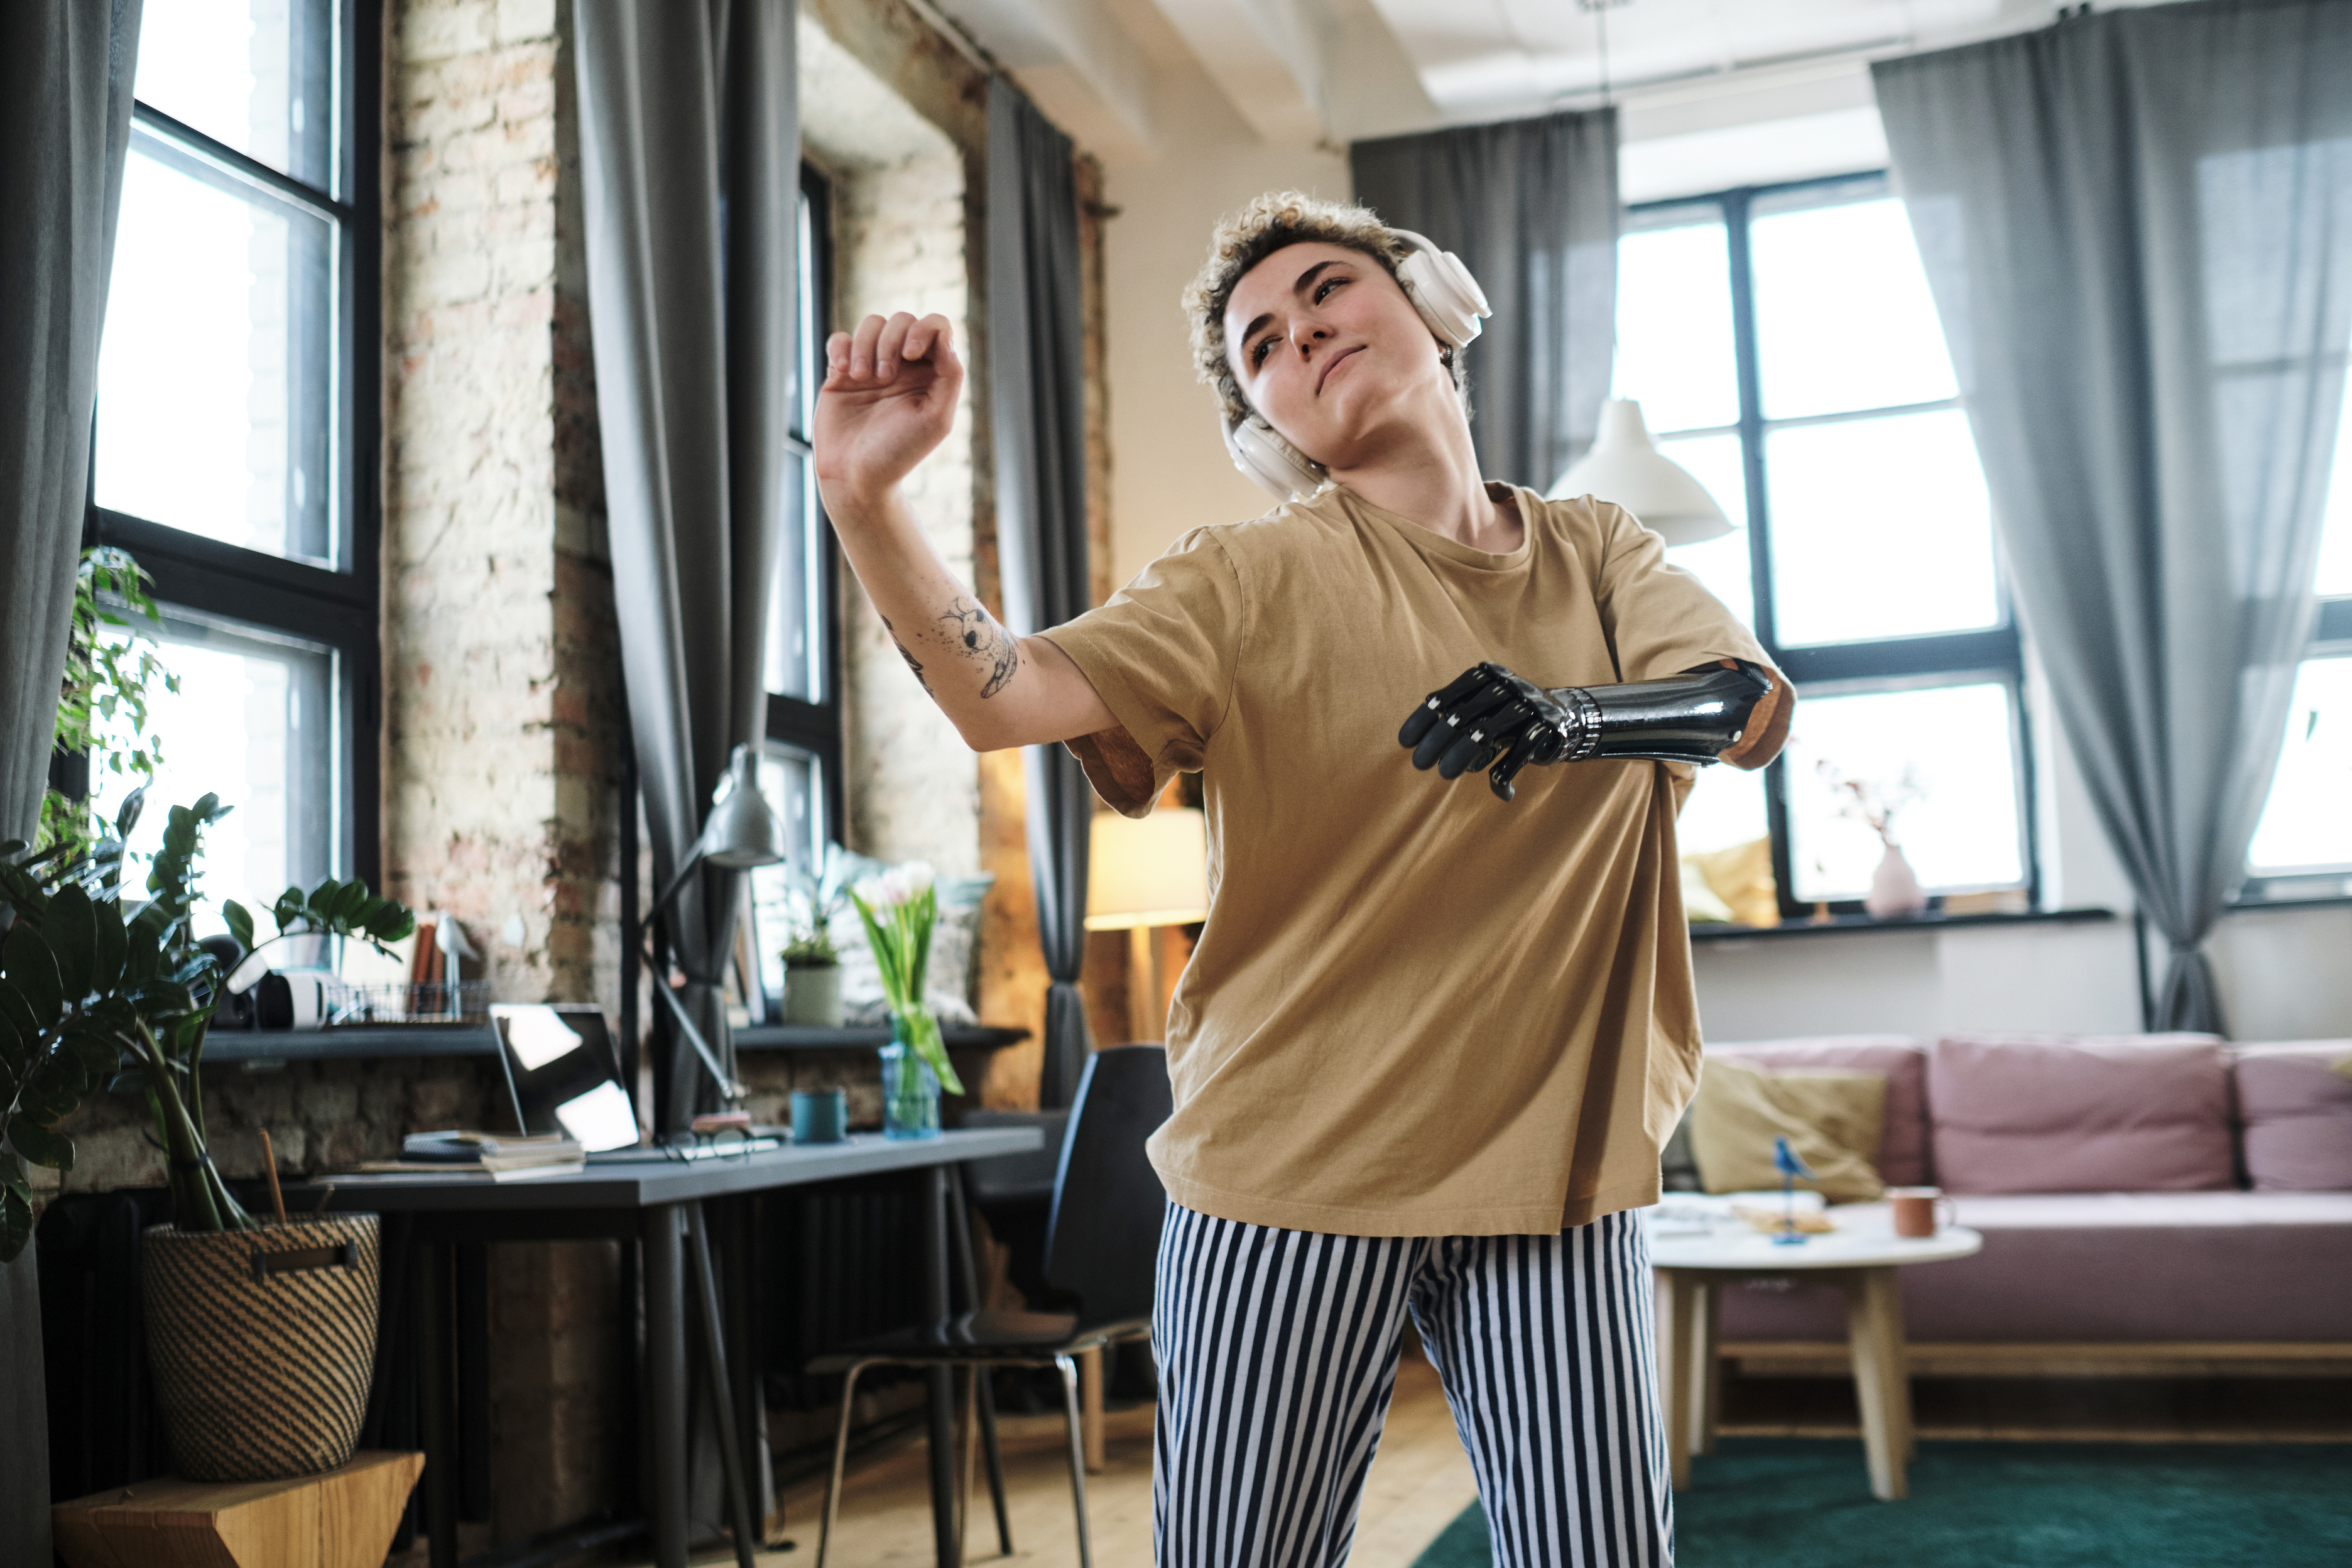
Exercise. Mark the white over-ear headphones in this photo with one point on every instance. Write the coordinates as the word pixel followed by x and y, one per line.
pixel 1450 303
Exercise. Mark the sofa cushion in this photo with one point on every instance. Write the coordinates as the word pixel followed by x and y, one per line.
pixel 2294 1108
pixel 2098 1269
pixel 1900 1060
pixel 2027 1114
pixel 1830 1119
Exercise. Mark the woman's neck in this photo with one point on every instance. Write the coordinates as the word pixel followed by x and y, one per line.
pixel 1427 473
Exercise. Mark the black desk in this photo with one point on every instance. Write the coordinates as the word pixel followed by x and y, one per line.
pixel 653 1202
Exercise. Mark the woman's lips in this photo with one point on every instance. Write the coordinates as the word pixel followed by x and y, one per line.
pixel 1335 361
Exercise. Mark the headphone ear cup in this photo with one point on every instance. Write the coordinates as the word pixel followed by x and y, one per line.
pixel 1271 463
pixel 1442 289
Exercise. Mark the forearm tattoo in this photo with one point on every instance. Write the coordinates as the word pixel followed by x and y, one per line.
pixel 982 639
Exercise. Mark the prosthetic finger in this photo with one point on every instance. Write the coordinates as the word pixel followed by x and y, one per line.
pixel 1460 724
pixel 1477 744
pixel 1434 706
pixel 1499 776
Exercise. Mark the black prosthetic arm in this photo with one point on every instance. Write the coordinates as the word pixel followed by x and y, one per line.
pixel 1491 718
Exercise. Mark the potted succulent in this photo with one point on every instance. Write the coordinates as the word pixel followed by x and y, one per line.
pixel 262 1334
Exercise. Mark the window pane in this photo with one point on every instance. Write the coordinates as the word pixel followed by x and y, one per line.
pixel 2306 826
pixel 2336 543
pixel 1674 349
pixel 215 374
pixel 795 652
pixel 1880 529
pixel 253 722
pixel 1726 809
pixel 789 779
pixel 1722 563
pixel 255 74
pixel 1843 319
pixel 1947 754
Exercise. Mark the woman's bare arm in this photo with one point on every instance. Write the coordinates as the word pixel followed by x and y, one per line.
pixel 888 399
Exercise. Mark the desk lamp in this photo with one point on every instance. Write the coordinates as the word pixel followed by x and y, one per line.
pixel 1623 465
pixel 1141 873
pixel 741 834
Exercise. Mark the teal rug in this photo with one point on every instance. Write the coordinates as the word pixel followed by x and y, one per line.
pixel 1799 1502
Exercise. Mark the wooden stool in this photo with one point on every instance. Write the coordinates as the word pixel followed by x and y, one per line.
pixel 338 1518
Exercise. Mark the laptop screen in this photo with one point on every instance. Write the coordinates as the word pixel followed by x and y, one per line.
pixel 562 1075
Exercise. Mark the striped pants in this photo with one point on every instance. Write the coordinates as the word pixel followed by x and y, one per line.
pixel 1277 1354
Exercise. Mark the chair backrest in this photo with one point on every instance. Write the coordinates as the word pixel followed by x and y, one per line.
pixel 1006 1177
pixel 1103 1241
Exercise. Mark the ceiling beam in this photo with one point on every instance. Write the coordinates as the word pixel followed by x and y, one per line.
pixel 1074 59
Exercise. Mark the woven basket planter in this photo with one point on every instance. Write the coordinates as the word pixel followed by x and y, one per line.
pixel 263 1343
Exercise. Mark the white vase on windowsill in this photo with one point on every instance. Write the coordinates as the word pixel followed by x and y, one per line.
pixel 1894 890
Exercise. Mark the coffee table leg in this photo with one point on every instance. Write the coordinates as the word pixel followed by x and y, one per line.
pixel 1867 1330
pixel 1885 1292
pixel 1677 1366
pixel 1710 1364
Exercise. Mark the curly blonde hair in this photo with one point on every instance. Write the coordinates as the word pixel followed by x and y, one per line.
pixel 1244 238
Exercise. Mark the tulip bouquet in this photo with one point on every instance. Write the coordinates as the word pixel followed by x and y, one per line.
pixel 899 909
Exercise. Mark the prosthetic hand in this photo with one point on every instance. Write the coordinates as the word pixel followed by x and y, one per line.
pixel 1491 718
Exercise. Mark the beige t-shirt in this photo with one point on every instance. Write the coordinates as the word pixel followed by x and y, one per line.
pixel 1414 1010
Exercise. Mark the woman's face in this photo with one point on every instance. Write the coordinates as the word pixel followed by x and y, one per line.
pixel 1326 347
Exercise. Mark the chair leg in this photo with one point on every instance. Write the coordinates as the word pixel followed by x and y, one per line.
pixel 1069 1369
pixel 995 1461
pixel 840 1458
pixel 967 1447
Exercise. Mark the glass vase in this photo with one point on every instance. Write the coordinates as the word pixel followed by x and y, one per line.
pixel 911 1090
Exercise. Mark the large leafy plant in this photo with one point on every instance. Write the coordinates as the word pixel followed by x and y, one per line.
pixel 91 985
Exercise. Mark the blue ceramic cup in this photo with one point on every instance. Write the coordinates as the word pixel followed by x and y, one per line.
pixel 820 1115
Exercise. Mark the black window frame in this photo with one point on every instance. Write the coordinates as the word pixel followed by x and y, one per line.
pixel 1940 658
pixel 815 728
pixel 336 608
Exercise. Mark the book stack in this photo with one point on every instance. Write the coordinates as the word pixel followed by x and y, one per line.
pixel 504 1155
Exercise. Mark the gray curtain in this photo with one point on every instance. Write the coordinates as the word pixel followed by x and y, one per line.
pixel 1531 205
pixel 66 70
pixel 690 159
pixel 1037 390
pixel 2138 228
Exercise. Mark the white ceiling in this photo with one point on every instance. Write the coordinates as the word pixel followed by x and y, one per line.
pixel 1299 72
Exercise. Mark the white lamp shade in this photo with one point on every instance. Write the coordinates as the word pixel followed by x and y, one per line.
pixel 1148 870
pixel 1624 466
pixel 741 831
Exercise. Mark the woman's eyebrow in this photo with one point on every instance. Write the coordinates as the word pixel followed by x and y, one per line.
pixel 1306 281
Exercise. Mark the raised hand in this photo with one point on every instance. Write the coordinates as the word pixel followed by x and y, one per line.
pixel 888 399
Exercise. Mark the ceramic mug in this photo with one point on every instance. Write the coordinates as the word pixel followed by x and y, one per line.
pixel 1920 1212
pixel 820 1115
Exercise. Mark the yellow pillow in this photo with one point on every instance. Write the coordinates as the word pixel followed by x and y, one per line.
pixel 1832 1120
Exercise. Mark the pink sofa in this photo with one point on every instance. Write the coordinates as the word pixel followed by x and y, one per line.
pixel 2136 1189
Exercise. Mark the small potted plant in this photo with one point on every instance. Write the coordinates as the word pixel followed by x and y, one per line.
pixel 813 958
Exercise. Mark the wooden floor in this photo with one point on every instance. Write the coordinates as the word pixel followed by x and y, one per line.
pixel 1420 1481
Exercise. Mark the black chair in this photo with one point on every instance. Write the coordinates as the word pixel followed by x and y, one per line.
pixel 1102 1245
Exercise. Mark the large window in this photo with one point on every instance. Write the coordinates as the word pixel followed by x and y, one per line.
pixel 235 442
pixel 801 772
pixel 1784 347
pixel 2303 845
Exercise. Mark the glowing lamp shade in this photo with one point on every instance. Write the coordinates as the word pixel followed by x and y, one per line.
pixel 1624 466
pixel 1148 871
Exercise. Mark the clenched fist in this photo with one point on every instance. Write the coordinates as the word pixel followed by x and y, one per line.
pixel 889 397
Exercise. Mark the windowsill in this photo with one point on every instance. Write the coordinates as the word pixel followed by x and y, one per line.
pixel 2289 901
pixel 1842 925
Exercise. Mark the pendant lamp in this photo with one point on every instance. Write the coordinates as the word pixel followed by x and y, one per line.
pixel 1624 466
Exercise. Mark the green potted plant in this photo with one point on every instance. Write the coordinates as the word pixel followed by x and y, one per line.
pixel 262 1334
pixel 813 958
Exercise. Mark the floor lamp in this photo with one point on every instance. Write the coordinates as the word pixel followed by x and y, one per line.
pixel 1144 872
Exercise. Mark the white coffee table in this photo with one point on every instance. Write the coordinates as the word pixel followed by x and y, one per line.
pixel 1859 1257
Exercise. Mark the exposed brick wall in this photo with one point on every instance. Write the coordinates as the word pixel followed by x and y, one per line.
pixel 501 658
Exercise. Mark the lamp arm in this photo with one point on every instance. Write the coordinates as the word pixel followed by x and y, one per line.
pixel 727 1085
